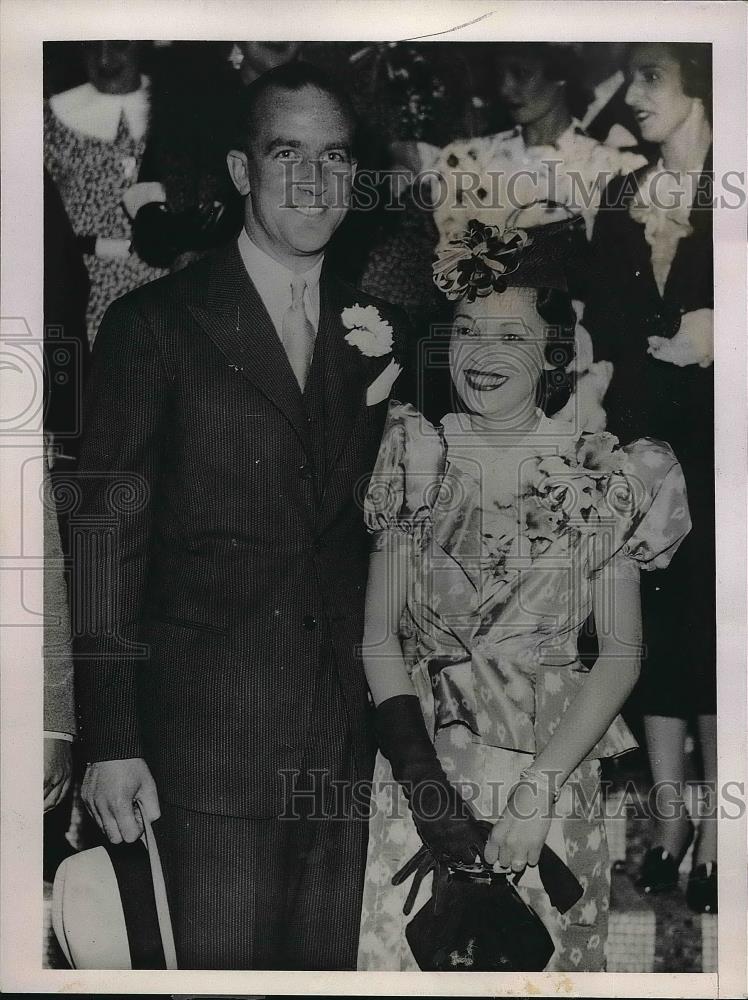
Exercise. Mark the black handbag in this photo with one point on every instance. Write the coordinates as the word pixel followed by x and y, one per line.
pixel 476 921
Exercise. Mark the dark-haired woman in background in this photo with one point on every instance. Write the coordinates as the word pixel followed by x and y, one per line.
pixel 650 312
pixel 195 208
pixel 496 531
pixel 546 157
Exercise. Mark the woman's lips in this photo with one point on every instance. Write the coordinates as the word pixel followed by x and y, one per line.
pixel 484 381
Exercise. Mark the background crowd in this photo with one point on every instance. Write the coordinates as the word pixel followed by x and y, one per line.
pixel 136 185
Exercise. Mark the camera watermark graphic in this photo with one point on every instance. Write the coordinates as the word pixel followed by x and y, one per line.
pixel 33 373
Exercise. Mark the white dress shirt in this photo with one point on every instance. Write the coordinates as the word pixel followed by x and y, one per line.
pixel 273 283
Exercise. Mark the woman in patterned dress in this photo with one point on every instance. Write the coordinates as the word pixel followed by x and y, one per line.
pixel 547 156
pixel 545 159
pixel 496 533
pixel 94 141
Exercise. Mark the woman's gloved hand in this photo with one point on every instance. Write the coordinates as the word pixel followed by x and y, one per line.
pixel 444 821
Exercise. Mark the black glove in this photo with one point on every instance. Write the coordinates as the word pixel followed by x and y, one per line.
pixel 159 235
pixel 443 819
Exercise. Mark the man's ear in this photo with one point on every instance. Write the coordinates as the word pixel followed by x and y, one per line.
pixel 236 161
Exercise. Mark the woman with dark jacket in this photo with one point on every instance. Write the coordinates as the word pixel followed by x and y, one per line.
pixel 650 312
pixel 197 87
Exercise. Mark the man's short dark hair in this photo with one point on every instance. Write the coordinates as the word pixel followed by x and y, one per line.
pixel 293 76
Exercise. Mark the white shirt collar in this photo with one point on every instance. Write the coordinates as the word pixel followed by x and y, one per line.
pixel 273 282
pixel 85 109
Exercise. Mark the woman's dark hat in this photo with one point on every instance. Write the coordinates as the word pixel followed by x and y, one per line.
pixel 489 258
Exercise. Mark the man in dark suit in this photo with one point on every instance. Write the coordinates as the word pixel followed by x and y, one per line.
pixel 234 410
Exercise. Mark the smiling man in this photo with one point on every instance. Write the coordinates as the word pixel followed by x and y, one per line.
pixel 241 403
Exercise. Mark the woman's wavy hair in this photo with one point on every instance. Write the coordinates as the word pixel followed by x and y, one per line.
pixel 695 61
pixel 560 62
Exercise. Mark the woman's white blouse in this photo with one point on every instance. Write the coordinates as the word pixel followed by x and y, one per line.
pixel 488 178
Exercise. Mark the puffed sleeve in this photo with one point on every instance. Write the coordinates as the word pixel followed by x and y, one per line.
pixel 410 462
pixel 647 505
pixel 428 155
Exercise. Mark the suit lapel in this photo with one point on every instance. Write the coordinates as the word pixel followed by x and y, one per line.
pixel 638 250
pixel 346 371
pixel 689 254
pixel 237 322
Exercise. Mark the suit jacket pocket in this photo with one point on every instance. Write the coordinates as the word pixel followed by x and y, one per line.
pixel 188 623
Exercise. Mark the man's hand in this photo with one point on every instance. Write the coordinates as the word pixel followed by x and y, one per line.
pixel 58 770
pixel 109 789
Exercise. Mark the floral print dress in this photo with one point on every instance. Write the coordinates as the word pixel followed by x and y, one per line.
pixel 504 543
pixel 487 177
pixel 92 175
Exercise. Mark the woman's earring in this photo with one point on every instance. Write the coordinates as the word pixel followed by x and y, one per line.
pixel 236 57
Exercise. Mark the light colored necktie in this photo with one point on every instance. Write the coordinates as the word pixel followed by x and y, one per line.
pixel 298 333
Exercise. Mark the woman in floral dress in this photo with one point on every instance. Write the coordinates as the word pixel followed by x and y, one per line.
pixel 94 141
pixel 496 533
pixel 547 156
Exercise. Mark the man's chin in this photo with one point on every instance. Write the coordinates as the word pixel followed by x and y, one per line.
pixel 311 236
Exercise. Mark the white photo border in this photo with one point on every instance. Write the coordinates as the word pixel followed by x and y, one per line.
pixel 24 27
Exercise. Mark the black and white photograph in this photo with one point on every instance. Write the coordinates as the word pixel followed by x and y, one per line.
pixel 388 442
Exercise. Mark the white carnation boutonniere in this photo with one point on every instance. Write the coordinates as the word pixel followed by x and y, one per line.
pixel 373 336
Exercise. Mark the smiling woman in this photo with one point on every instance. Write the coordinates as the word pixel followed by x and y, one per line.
pixel 520 344
pixel 497 352
pixel 497 533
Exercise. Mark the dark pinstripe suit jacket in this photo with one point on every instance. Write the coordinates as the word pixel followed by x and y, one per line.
pixel 223 548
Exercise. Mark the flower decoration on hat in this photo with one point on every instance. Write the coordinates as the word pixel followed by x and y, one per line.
pixel 490 258
pixel 479 261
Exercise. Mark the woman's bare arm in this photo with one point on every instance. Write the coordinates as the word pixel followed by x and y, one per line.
pixel 617 609
pixel 517 838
